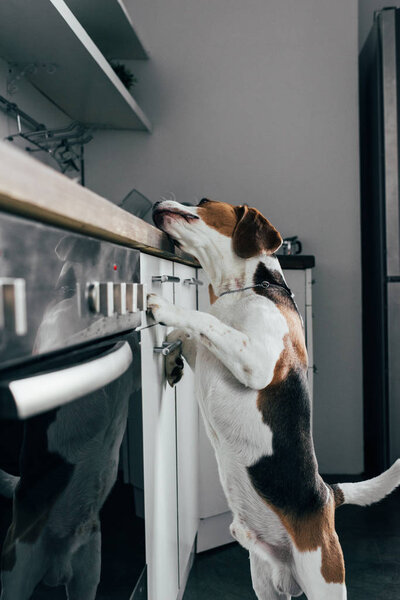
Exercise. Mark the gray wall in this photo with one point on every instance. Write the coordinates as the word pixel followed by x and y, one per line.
pixel 257 102
pixel 32 102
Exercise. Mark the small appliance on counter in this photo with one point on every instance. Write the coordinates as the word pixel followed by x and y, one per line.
pixel 290 245
pixel 137 204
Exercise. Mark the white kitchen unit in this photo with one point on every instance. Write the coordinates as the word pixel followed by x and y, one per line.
pixel 170 427
pixel 214 514
pixel 187 436
pixel 159 447
pixel 300 282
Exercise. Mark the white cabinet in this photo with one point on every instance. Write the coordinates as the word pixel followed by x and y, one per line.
pixel 300 282
pixel 159 448
pixel 170 456
pixel 214 514
pixel 187 437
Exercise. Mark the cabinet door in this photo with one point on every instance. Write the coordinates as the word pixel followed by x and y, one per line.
pixel 187 436
pixel 214 513
pixel 159 448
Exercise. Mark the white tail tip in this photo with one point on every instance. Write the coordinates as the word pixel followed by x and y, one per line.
pixel 372 490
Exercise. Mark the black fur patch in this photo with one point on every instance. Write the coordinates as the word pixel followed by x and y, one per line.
pixel 279 296
pixel 289 479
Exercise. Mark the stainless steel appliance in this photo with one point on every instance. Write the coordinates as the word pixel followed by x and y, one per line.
pixel 70 307
pixel 379 146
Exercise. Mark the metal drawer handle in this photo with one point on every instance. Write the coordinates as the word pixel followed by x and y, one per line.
pixel 165 279
pixel 38 393
pixel 192 281
pixel 167 347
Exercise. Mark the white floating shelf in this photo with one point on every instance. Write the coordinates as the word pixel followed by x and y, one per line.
pixel 109 25
pixel 45 33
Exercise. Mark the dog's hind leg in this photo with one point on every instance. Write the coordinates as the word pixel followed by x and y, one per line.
pixel 86 565
pixel 321 572
pixel 261 577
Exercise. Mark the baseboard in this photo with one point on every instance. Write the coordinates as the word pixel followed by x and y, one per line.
pixel 214 532
pixel 187 572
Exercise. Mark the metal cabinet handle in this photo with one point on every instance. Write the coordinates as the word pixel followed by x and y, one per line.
pixel 165 279
pixel 167 347
pixel 27 397
pixel 192 281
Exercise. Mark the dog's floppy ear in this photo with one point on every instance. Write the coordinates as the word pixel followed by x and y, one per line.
pixel 254 234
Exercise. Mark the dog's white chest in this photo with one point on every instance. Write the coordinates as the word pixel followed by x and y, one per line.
pixel 232 419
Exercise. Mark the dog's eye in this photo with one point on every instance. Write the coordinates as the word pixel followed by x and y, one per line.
pixel 203 201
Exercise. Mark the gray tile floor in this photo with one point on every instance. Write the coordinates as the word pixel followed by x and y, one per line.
pixel 370 538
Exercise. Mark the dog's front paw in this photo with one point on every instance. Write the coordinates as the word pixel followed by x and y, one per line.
pixel 160 309
pixel 173 361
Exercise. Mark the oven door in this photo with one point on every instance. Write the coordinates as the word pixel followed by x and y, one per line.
pixel 62 422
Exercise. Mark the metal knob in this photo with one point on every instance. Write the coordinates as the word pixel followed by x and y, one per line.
pixel 101 297
pixel 106 291
pixel 141 296
pixel 120 298
pixel 93 297
pixel 13 305
pixel 165 279
pixel 136 297
pixel 167 347
pixel 192 281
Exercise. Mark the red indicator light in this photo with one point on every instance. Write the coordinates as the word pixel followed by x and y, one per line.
pixel 115 267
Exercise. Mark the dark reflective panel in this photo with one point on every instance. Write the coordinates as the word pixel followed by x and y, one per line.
pixel 69 524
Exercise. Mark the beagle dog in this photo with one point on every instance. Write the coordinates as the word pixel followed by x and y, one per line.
pixel 250 363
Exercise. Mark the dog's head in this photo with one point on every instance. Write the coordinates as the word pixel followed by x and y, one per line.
pixel 217 226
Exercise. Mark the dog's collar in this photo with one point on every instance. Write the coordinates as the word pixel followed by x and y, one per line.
pixel 263 284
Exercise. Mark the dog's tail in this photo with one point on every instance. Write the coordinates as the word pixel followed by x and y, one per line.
pixel 367 492
pixel 8 483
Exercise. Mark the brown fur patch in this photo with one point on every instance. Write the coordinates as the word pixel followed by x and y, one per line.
pixel 250 231
pixel 219 216
pixel 254 234
pixel 293 355
pixel 317 530
pixel 212 295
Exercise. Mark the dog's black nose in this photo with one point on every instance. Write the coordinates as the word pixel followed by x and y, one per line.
pixel 156 204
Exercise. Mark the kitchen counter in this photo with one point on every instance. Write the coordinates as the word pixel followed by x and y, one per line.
pixel 297 261
pixel 34 190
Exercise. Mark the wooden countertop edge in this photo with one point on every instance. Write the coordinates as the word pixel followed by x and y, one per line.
pixel 31 189
pixel 28 188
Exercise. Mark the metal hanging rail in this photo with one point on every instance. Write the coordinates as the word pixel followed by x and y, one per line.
pixel 13 109
pixel 65 145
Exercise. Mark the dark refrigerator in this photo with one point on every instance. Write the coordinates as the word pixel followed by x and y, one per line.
pixel 380 226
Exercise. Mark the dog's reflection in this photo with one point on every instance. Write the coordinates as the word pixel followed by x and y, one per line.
pixel 68 462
